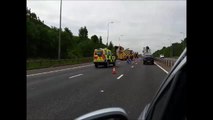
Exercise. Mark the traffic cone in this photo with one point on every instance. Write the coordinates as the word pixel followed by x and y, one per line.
pixel 113 70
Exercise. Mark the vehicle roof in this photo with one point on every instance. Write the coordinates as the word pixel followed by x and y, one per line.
pixel 101 49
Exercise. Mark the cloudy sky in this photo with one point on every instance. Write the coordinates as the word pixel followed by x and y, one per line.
pixel 137 23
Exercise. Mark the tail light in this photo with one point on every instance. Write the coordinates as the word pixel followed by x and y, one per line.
pixel 95 57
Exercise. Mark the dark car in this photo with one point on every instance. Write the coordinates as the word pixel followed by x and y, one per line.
pixel 169 103
pixel 148 59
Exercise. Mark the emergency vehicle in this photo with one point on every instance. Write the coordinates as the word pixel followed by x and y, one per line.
pixel 103 56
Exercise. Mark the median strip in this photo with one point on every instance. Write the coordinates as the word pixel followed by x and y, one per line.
pixel 161 68
pixel 120 76
pixel 75 76
pixel 57 70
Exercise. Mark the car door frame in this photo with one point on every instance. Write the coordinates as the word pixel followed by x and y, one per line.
pixel 177 66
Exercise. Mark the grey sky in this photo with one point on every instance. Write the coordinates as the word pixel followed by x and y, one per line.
pixel 152 23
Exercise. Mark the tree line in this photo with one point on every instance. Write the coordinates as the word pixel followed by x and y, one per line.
pixel 172 51
pixel 42 40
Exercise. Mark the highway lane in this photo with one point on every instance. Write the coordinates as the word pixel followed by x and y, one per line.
pixel 55 96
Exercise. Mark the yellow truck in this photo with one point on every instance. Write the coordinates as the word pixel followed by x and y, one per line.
pixel 129 54
pixel 120 53
pixel 124 54
pixel 103 56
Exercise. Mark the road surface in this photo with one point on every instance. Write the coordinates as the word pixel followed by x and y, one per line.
pixel 70 92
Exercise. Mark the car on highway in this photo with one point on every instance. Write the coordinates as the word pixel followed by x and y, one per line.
pixel 169 102
pixel 161 56
pixel 148 59
pixel 103 56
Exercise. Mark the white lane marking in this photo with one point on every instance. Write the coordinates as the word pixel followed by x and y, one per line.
pixel 57 70
pixel 132 66
pixel 75 76
pixel 120 76
pixel 161 68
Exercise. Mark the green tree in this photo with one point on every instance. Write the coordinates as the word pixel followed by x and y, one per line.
pixel 94 38
pixel 100 40
pixel 66 42
pixel 172 51
pixel 111 47
pixel 83 33
pixel 68 31
pixel 42 40
pixel 87 48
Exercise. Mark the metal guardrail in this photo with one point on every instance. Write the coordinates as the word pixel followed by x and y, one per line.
pixel 167 61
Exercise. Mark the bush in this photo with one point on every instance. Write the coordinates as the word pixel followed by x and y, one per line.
pixel 44 63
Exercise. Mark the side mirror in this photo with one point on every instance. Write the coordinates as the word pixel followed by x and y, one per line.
pixel 105 114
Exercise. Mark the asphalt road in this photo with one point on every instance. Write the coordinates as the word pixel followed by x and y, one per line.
pixel 67 94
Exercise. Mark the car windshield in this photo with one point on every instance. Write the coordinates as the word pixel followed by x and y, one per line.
pixel 99 53
pixel 88 55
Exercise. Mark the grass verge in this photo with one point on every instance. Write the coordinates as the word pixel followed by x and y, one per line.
pixel 45 63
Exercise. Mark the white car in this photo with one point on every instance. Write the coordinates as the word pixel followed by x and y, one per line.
pixel 161 56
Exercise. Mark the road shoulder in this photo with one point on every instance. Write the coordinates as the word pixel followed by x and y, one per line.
pixel 167 68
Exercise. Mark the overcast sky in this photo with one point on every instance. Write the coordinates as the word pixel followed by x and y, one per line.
pixel 142 23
